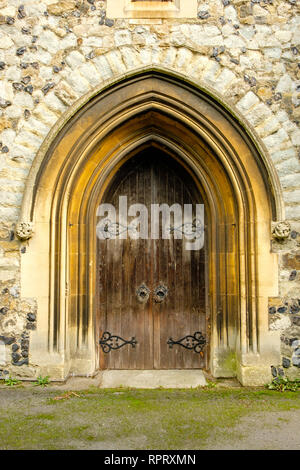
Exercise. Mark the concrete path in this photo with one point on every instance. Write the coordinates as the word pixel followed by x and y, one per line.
pixel 279 430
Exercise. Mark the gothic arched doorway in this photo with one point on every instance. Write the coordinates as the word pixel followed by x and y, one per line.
pixel 240 195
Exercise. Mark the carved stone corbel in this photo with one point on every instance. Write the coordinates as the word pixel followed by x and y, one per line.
pixel 24 230
pixel 281 230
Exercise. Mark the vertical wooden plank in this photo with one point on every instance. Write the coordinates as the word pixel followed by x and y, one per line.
pixel 159 277
pixel 164 278
pixel 109 299
pixel 155 273
pixel 162 309
pixel 102 291
pixel 113 297
pixel 187 294
pixel 148 318
pixel 124 266
pixel 131 315
pixel 140 308
pixel 171 300
pixel 180 323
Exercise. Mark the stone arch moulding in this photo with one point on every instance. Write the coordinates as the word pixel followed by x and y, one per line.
pixel 69 178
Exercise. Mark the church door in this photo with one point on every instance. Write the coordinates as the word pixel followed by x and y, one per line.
pixel 151 291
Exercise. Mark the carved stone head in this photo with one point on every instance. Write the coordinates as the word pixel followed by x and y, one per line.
pixel 24 230
pixel 281 230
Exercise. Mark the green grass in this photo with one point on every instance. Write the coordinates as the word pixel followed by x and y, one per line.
pixel 138 419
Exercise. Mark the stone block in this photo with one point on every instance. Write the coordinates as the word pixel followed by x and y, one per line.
pixel 247 102
pixel 153 379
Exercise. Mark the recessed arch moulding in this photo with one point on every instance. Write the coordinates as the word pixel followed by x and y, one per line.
pixel 67 182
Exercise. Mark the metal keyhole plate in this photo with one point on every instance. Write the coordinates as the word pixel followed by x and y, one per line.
pixel 160 293
pixel 142 293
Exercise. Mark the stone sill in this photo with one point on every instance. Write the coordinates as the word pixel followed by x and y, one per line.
pixel 127 9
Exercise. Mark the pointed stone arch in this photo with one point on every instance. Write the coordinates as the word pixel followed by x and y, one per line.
pixel 69 177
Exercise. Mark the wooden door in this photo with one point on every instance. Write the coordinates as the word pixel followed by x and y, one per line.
pixel 152 296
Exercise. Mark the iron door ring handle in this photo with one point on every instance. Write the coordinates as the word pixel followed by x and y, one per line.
pixel 143 293
pixel 160 293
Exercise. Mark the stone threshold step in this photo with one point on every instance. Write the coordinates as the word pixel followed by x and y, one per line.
pixel 187 378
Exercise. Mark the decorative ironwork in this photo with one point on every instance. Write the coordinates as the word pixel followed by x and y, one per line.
pixel 194 342
pixel 110 342
pixel 160 294
pixel 193 229
pixel 143 293
pixel 107 229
